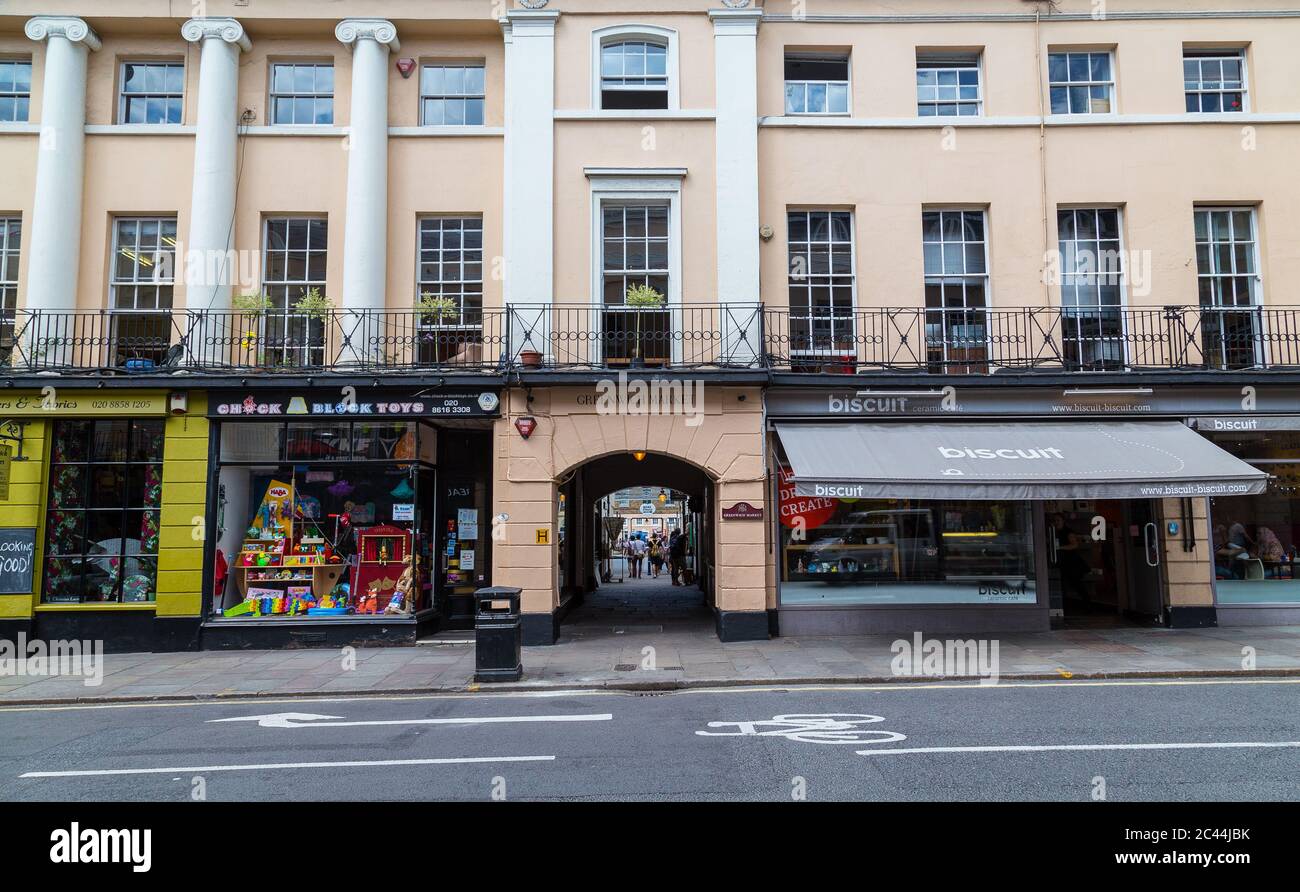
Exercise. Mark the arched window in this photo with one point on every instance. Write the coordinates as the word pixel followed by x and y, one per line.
pixel 634 74
pixel 635 67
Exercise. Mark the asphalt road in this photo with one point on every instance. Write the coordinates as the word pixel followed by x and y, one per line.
pixel 1149 740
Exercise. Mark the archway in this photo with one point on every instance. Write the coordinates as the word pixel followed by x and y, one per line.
pixel 600 586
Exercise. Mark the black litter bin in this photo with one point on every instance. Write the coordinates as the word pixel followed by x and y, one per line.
pixel 498 635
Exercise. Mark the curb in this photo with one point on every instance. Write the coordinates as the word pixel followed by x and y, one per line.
pixel 665 686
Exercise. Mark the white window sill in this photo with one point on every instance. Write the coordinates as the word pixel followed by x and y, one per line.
pixel 448 130
pixel 795 121
pixel 635 114
pixel 19 127
pixel 140 129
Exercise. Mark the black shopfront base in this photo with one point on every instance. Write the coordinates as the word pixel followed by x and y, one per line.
pixel 119 631
pixel 279 633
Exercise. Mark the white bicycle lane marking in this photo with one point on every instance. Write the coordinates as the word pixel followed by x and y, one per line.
pixel 847 727
pixel 812 727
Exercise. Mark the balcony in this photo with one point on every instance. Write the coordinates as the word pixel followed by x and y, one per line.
pixel 965 341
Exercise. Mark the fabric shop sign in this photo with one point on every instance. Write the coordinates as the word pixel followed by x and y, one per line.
pixel 17 559
pixel 57 401
pixel 352 404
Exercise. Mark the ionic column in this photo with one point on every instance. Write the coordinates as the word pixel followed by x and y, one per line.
pixel 212 205
pixel 365 235
pixel 55 240
pixel 735 55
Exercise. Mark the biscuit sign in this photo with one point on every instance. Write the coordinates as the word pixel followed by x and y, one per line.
pixel 802 512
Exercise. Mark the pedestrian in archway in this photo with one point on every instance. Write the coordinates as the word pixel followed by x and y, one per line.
pixel 656 555
pixel 676 555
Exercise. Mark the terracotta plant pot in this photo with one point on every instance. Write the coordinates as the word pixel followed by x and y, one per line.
pixel 530 359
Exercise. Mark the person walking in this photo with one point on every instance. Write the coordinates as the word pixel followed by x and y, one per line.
pixel 656 555
pixel 637 546
pixel 676 555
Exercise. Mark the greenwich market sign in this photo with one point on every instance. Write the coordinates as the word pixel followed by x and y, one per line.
pixel 350 404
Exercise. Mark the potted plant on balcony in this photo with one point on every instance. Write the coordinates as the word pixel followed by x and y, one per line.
pixel 245 325
pixel 642 297
pixel 529 356
pixel 434 315
pixel 314 305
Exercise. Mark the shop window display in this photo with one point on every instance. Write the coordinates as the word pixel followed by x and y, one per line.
pixel 329 529
pixel 1256 538
pixel 103 512
pixel 852 552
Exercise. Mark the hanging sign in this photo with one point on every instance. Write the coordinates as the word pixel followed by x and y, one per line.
pixel 802 512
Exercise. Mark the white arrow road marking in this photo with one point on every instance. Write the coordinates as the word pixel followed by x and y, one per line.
pixel 272 766
pixel 311 720
pixel 1247 744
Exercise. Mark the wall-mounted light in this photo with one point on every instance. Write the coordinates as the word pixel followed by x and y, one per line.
pixel 526 425
pixel 639 455
pixel 663 496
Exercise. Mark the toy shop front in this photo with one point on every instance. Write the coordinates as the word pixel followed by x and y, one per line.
pixel 354 516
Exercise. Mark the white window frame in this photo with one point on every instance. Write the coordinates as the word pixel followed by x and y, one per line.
pixel 1211 53
pixel 114 283
pixel 625 186
pixel 941 61
pixel 16 94
pixel 452 63
pixel 272 94
pixel 983 211
pixel 421 284
pixel 9 287
pixel 1112 84
pixel 1123 304
pixel 600 37
pixel 1255 279
pixel 287 312
pixel 122 94
pixel 846 58
pixel 853 277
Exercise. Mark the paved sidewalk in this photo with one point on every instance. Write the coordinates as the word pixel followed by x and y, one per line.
pixel 605 645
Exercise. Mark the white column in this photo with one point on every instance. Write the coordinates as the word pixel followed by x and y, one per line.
pixel 55 240
pixel 530 154
pixel 735 59
pixel 365 235
pixel 209 267
pixel 529 173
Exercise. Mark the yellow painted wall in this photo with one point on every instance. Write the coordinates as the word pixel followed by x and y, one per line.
pixel 181 539
pixel 25 508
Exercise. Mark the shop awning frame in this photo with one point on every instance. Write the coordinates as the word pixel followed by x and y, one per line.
pixel 1012 462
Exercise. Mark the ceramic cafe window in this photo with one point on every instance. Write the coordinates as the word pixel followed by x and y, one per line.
pixel 102 517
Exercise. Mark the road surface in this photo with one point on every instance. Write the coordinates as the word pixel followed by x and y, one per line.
pixel 1167 740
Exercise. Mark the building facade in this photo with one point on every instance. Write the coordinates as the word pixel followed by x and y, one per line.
pixel 939 316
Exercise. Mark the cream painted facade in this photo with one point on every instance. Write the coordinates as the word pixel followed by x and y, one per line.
pixel 547 159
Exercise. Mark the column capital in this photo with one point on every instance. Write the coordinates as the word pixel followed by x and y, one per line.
pixel 228 30
pixel 737 21
pixel 530 21
pixel 381 31
pixel 75 30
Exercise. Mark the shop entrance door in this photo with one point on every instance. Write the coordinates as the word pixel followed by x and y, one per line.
pixel 1103 561
pixel 1145 600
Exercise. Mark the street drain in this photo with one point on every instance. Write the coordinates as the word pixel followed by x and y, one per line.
pixel 625 667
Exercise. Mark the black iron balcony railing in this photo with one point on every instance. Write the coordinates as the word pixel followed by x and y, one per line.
pixel 723 336
pixel 980 341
